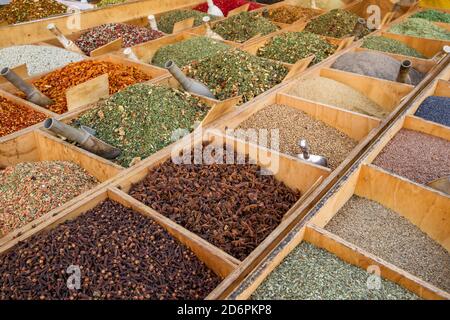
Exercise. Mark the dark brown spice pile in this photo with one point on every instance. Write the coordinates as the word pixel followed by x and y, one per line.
pixel 232 206
pixel 290 14
pixel 27 10
pixel 121 255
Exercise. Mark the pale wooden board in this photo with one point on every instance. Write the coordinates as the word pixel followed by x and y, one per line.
pixel 88 92
pixel 108 48
pixel 183 25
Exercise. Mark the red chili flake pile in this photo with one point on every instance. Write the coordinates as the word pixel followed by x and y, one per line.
pixel 14 117
pixel 31 189
pixel 55 84
pixel 228 5
pixel 101 35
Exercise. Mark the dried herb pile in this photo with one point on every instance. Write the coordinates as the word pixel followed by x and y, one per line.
pixel 390 45
pixel 27 10
pixel 292 46
pixel 187 51
pixel 290 14
pixel 422 28
pixel 243 26
pixel 433 15
pixel 55 84
pixel 337 23
pixel 323 4
pixel 105 3
pixel 28 190
pixel 228 5
pixel 141 119
pixel 167 20
pixel 234 72
pixel 232 206
pixel 14 117
pixel 121 255
pixel 101 35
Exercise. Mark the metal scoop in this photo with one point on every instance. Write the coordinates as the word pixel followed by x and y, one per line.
pixel 305 155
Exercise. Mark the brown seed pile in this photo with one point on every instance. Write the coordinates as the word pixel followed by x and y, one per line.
pixel 393 238
pixel 18 11
pixel 336 94
pixel 417 156
pixel 233 206
pixel 31 189
pixel 120 254
pixel 290 14
pixel 294 125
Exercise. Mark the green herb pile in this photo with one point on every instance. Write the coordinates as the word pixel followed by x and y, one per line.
pixel 141 119
pixel 337 23
pixel 243 26
pixel 234 72
pixel 293 46
pixel 391 46
pixel 422 28
pixel 167 20
pixel 187 51
pixel 433 15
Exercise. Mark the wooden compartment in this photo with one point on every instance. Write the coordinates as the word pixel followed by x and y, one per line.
pixel 36 146
pixel 215 259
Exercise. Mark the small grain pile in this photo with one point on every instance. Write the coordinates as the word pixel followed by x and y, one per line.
pixel 336 94
pixel 311 273
pixel 374 64
pixel 422 28
pixel 227 5
pixel 167 20
pixel 294 125
pixel 393 238
pixel 433 15
pixel 187 51
pixel 31 189
pixel 337 23
pixel 104 34
pixel 234 72
pixel 243 26
pixel 290 47
pixel 290 14
pixel 39 59
pixel 232 206
pixel 435 109
pixel 14 117
pixel 27 10
pixel 390 45
pixel 323 4
pixel 122 255
pixel 105 3
pixel 141 119
pixel 417 156
pixel 55 84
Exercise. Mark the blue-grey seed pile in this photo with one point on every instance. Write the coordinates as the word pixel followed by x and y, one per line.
pixel 436 109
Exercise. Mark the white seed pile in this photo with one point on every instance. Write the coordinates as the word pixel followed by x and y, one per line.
pixel 39 59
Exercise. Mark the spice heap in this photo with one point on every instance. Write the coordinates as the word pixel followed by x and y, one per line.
pixel 417 156
pixel 123 255
pixel 294 125
pixel 311 273
pixel 31 189
pixel 422 28
pixel 374 64
pixel 433 15
pixel 337 23
pixel 435 109
pixel 104 34
pixel 187 51
pixel 324 4
pixel 393 238
pixel 290 14
pixel 290 47
pixel 232 206
pixel 390 45
pixel 39 59
pixel 14 117
pixel 243 26
pixel 167 20
pixel 336 94
pixel 228 5
pixel 141 119
pixel 27 10
pixel 55 84
pixel 234 72
pixel 105 3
